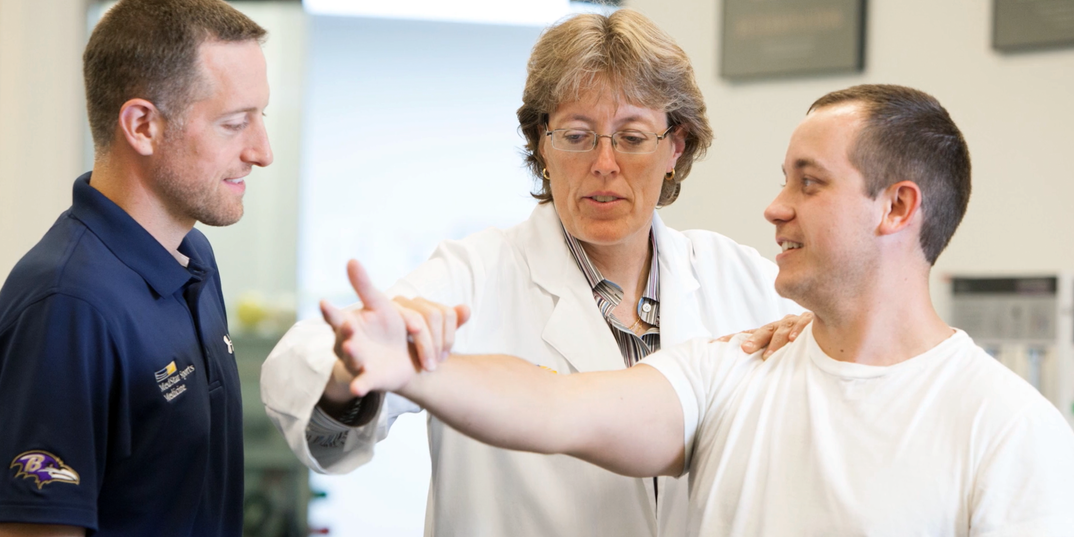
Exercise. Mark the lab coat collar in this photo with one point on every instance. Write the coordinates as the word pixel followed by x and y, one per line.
pixel 680 296
pixel 553 269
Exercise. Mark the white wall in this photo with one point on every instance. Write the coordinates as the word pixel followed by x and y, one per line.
pixel 1016 112
pixel 42 118
pixel 410 138
pixel 258 255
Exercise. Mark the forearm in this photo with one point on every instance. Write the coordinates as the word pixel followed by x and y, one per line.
pixel 40 530
pixel 500 400
pixel 629 421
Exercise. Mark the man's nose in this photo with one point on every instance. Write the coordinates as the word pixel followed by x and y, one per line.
pixel 779 210
pixel 259 152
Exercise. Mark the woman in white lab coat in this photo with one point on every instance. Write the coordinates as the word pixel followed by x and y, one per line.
pixel 593 280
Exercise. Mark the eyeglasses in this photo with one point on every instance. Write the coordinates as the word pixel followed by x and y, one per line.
pixel 629 142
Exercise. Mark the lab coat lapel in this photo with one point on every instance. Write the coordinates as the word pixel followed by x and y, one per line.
pixel 576 328
pixel 680 313
pixel 680 291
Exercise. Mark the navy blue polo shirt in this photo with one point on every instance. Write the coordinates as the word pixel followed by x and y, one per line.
pixel 119 396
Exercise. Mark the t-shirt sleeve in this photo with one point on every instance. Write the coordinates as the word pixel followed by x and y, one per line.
pixel 57 364
pixel 1025 482
pixel 702 371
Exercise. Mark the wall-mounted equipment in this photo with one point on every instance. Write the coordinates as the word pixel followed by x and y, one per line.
pixel 1027 323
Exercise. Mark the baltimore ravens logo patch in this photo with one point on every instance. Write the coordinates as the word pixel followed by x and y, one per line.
pixel 44 468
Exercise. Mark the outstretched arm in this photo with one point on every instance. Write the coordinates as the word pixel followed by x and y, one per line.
pixel 629 422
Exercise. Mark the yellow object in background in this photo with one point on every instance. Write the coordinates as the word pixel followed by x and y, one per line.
pixel 257 314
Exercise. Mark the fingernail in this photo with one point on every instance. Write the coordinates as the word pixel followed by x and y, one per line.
pixel 767 354
pixel 431 366
pixel 792 336
pixel 748 345
pixel 444 356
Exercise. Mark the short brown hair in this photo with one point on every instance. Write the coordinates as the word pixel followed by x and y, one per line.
pixel 908 135
pixel 627 54
pixel 149 49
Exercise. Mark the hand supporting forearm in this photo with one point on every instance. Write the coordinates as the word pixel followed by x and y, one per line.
pixel 627 421
pixel 372 341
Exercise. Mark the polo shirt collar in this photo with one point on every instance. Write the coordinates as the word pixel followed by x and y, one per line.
pixel 131 243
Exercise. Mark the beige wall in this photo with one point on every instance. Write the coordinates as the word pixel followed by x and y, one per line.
pixel 42 117
pixel 1016 111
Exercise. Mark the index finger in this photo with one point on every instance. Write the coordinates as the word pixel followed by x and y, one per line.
pixel 371 297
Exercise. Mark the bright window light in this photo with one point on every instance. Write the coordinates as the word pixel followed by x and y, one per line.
pixel 528 13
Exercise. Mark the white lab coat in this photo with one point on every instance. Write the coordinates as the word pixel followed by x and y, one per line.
pixel 529 299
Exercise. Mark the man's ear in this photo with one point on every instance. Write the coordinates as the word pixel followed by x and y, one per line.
pixel 141 125
pixel 902 203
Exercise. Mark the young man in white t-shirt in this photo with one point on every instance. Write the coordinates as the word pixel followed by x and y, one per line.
pixel 879 420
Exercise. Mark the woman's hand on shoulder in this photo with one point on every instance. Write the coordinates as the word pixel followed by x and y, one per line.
pixel 773 336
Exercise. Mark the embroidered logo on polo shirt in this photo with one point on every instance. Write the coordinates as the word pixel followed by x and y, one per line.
pixel 166 372
pixel 44 468
pixel 171 381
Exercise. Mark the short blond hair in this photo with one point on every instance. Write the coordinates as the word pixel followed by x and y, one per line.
pixel 626 54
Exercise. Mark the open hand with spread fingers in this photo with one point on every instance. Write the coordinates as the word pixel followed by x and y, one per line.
pixel 383 344
pixel 371 342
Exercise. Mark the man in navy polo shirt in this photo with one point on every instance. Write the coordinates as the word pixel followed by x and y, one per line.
pixel 119 396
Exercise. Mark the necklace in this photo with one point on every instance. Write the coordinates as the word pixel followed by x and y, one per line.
pixel 634 327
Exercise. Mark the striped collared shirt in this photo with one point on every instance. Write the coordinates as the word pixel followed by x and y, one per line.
pixel 608 295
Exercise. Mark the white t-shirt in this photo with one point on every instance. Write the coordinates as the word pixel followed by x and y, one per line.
pixel 949 442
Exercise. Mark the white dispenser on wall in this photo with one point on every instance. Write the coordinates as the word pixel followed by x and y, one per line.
pixel 1027 323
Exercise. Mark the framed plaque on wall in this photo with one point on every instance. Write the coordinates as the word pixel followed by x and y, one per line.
pixel 770 38
pixel 1032 24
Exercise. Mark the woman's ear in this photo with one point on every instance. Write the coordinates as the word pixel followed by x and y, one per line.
pixel 677 137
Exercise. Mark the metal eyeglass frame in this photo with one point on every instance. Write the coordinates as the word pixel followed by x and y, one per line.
pixel 615 145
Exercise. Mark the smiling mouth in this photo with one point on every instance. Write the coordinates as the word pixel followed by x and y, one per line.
pixel 788 245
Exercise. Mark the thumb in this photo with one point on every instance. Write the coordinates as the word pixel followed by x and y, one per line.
pixel 332 315
pixel 361 386
pixel 462 313
pixel 372 299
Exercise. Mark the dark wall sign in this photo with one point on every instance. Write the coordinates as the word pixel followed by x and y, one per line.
pixel 763 38
pixel 1032 24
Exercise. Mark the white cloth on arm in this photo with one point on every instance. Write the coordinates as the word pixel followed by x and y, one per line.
pixel 529 299
pixel 948 443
